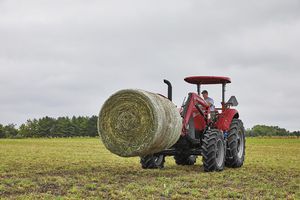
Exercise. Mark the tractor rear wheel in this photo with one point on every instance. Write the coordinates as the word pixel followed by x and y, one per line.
pixel 235 155
pixel 153 161
pixel 213 151
pixel 182 159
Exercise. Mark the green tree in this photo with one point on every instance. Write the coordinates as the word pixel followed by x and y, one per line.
pixel 24 131
pixel 10 131
pixel 29 129
pixel 2 134
pixel 45 125
pixel 296 133
pixel 92 129
pixel 62 127
pixel 263 130
pixel 80 125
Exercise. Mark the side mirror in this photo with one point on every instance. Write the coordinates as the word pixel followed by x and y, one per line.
pixel 232 101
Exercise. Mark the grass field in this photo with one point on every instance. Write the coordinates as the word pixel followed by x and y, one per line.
pixel 81 168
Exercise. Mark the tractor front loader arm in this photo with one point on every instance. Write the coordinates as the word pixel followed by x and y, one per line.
pixel 193 105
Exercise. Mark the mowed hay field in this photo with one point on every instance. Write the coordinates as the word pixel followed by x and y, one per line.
pixel 81 168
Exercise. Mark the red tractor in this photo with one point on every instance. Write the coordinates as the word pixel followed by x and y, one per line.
pixel 217 135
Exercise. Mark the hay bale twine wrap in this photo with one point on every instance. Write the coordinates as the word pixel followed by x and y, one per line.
pixel 138 123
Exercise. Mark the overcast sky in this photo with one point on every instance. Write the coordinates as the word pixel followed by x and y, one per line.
pixel 66 57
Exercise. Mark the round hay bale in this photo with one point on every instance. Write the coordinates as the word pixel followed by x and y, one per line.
pixel 138 123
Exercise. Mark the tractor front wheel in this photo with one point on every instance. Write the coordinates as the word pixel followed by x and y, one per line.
pixel 235 155
pixel 213 151
pixel 153 161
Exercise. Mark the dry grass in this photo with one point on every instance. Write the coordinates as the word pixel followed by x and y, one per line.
pixel 81 168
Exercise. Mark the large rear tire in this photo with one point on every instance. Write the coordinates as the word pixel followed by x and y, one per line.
pixel 235 154
pixel 182 159
pixel 213 151
pixel 153 162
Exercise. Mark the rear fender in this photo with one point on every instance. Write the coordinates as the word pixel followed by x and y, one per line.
pixel 225 119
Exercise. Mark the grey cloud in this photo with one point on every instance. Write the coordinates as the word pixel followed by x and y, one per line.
pixel 66 57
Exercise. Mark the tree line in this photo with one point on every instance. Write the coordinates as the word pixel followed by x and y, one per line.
pixel 263 130
pixel 52 127
pixel 87 127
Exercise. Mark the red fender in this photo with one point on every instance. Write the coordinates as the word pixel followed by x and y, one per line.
pixel 225 119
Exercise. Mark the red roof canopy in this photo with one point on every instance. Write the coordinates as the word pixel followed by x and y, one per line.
pixel 207 80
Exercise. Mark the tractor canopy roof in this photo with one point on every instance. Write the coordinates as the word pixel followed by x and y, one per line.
pixel 207 80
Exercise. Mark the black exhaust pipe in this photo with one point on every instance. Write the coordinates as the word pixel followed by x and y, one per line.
pixel 169 89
